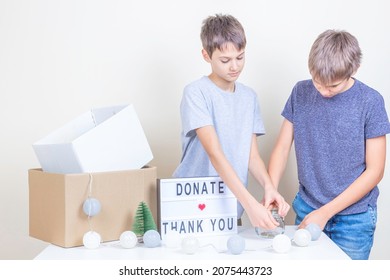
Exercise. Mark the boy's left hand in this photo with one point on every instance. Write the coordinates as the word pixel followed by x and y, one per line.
pixel 314 217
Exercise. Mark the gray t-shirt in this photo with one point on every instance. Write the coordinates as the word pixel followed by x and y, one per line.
pixel 329 138
pixel 235 117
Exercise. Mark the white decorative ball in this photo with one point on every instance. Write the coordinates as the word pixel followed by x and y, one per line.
pixel 172 239
pixel 315 231
pixel 302 237
pixel 91 207
pixel 236 244
pixel 281 243
pixel 91 240
pixel 128 239
pixel 190 245
pixel 152 238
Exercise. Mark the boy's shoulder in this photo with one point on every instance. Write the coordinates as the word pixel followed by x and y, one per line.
pixel 304 83
pixel 364 92
pixel 204 83
pixel 366 88
pixel 302 87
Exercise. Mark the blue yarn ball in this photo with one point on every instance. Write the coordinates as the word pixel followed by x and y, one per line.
pixel 152 238
pixel 91 207
pixel 236 244
pixel 315 231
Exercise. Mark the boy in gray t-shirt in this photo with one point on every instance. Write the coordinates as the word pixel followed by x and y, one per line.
pixel 339 126
pixel 221 120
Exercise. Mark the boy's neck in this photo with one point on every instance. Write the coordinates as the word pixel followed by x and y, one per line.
pixel 228 86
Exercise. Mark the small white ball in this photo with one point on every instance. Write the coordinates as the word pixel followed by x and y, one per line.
pixel 91 240
pixel 172 239
pixel 190 245
pixel 281 243
pixel 128 239
pixel 302 237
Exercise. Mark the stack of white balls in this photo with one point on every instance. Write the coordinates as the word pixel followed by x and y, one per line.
pixel 302 237
pixel 91 207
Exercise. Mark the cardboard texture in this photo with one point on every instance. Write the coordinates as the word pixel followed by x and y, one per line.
pixel 104 139
pixel 56 203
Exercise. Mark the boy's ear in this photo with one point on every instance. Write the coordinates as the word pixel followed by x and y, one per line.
pixel 206 55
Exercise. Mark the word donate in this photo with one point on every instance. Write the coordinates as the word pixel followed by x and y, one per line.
pixel 201 206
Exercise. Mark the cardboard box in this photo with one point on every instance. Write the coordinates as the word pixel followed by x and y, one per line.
pixel 56 203
pixel 104 139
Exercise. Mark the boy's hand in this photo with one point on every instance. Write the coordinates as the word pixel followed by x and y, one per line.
pixel 273 199
pixel 260 216
pixel 314 217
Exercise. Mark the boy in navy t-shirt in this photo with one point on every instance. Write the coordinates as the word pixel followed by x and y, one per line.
pixel 339 126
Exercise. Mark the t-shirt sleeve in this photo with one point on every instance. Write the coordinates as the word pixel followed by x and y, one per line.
pixel 288 110
pixel 194 111
pixel 377 121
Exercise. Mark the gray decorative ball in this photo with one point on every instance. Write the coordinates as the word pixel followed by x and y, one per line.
pixel 236 244
pixel 152 238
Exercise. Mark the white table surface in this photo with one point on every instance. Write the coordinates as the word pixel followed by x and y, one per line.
pixel 256 248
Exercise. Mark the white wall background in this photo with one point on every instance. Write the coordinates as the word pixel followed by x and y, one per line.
pixel 59 59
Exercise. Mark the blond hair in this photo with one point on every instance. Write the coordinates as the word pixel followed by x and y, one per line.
pixel 334 55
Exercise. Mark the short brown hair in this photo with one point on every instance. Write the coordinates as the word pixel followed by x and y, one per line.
pixel 334 55
pixel 219 30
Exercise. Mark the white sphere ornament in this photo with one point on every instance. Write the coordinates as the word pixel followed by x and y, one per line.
pixel 91 207
pixel 302 237
pixel 236 244
pixel 190 245
pixel 172 239
pixel 315 231
pixel 91 240
pixel 152 238
pixel 281 243
pixel 128 239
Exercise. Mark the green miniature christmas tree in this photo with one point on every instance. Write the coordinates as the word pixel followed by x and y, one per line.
pixel 143 221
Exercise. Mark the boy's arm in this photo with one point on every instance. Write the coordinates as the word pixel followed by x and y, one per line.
pixel 375 166
pixel 279 155
pixel 257 213
pixel 259 172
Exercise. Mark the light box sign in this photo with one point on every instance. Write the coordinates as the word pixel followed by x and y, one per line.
pixel 201 206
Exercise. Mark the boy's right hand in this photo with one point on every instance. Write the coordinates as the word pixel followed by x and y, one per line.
pixel 259 216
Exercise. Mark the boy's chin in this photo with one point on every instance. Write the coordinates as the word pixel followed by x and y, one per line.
pixel 232 79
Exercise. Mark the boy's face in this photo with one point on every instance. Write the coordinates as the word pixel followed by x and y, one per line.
pixel 334 88
pixel 226 64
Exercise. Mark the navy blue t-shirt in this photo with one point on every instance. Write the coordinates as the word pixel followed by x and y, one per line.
pixel 329 139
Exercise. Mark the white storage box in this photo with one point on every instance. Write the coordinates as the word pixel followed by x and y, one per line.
pixel 101 140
